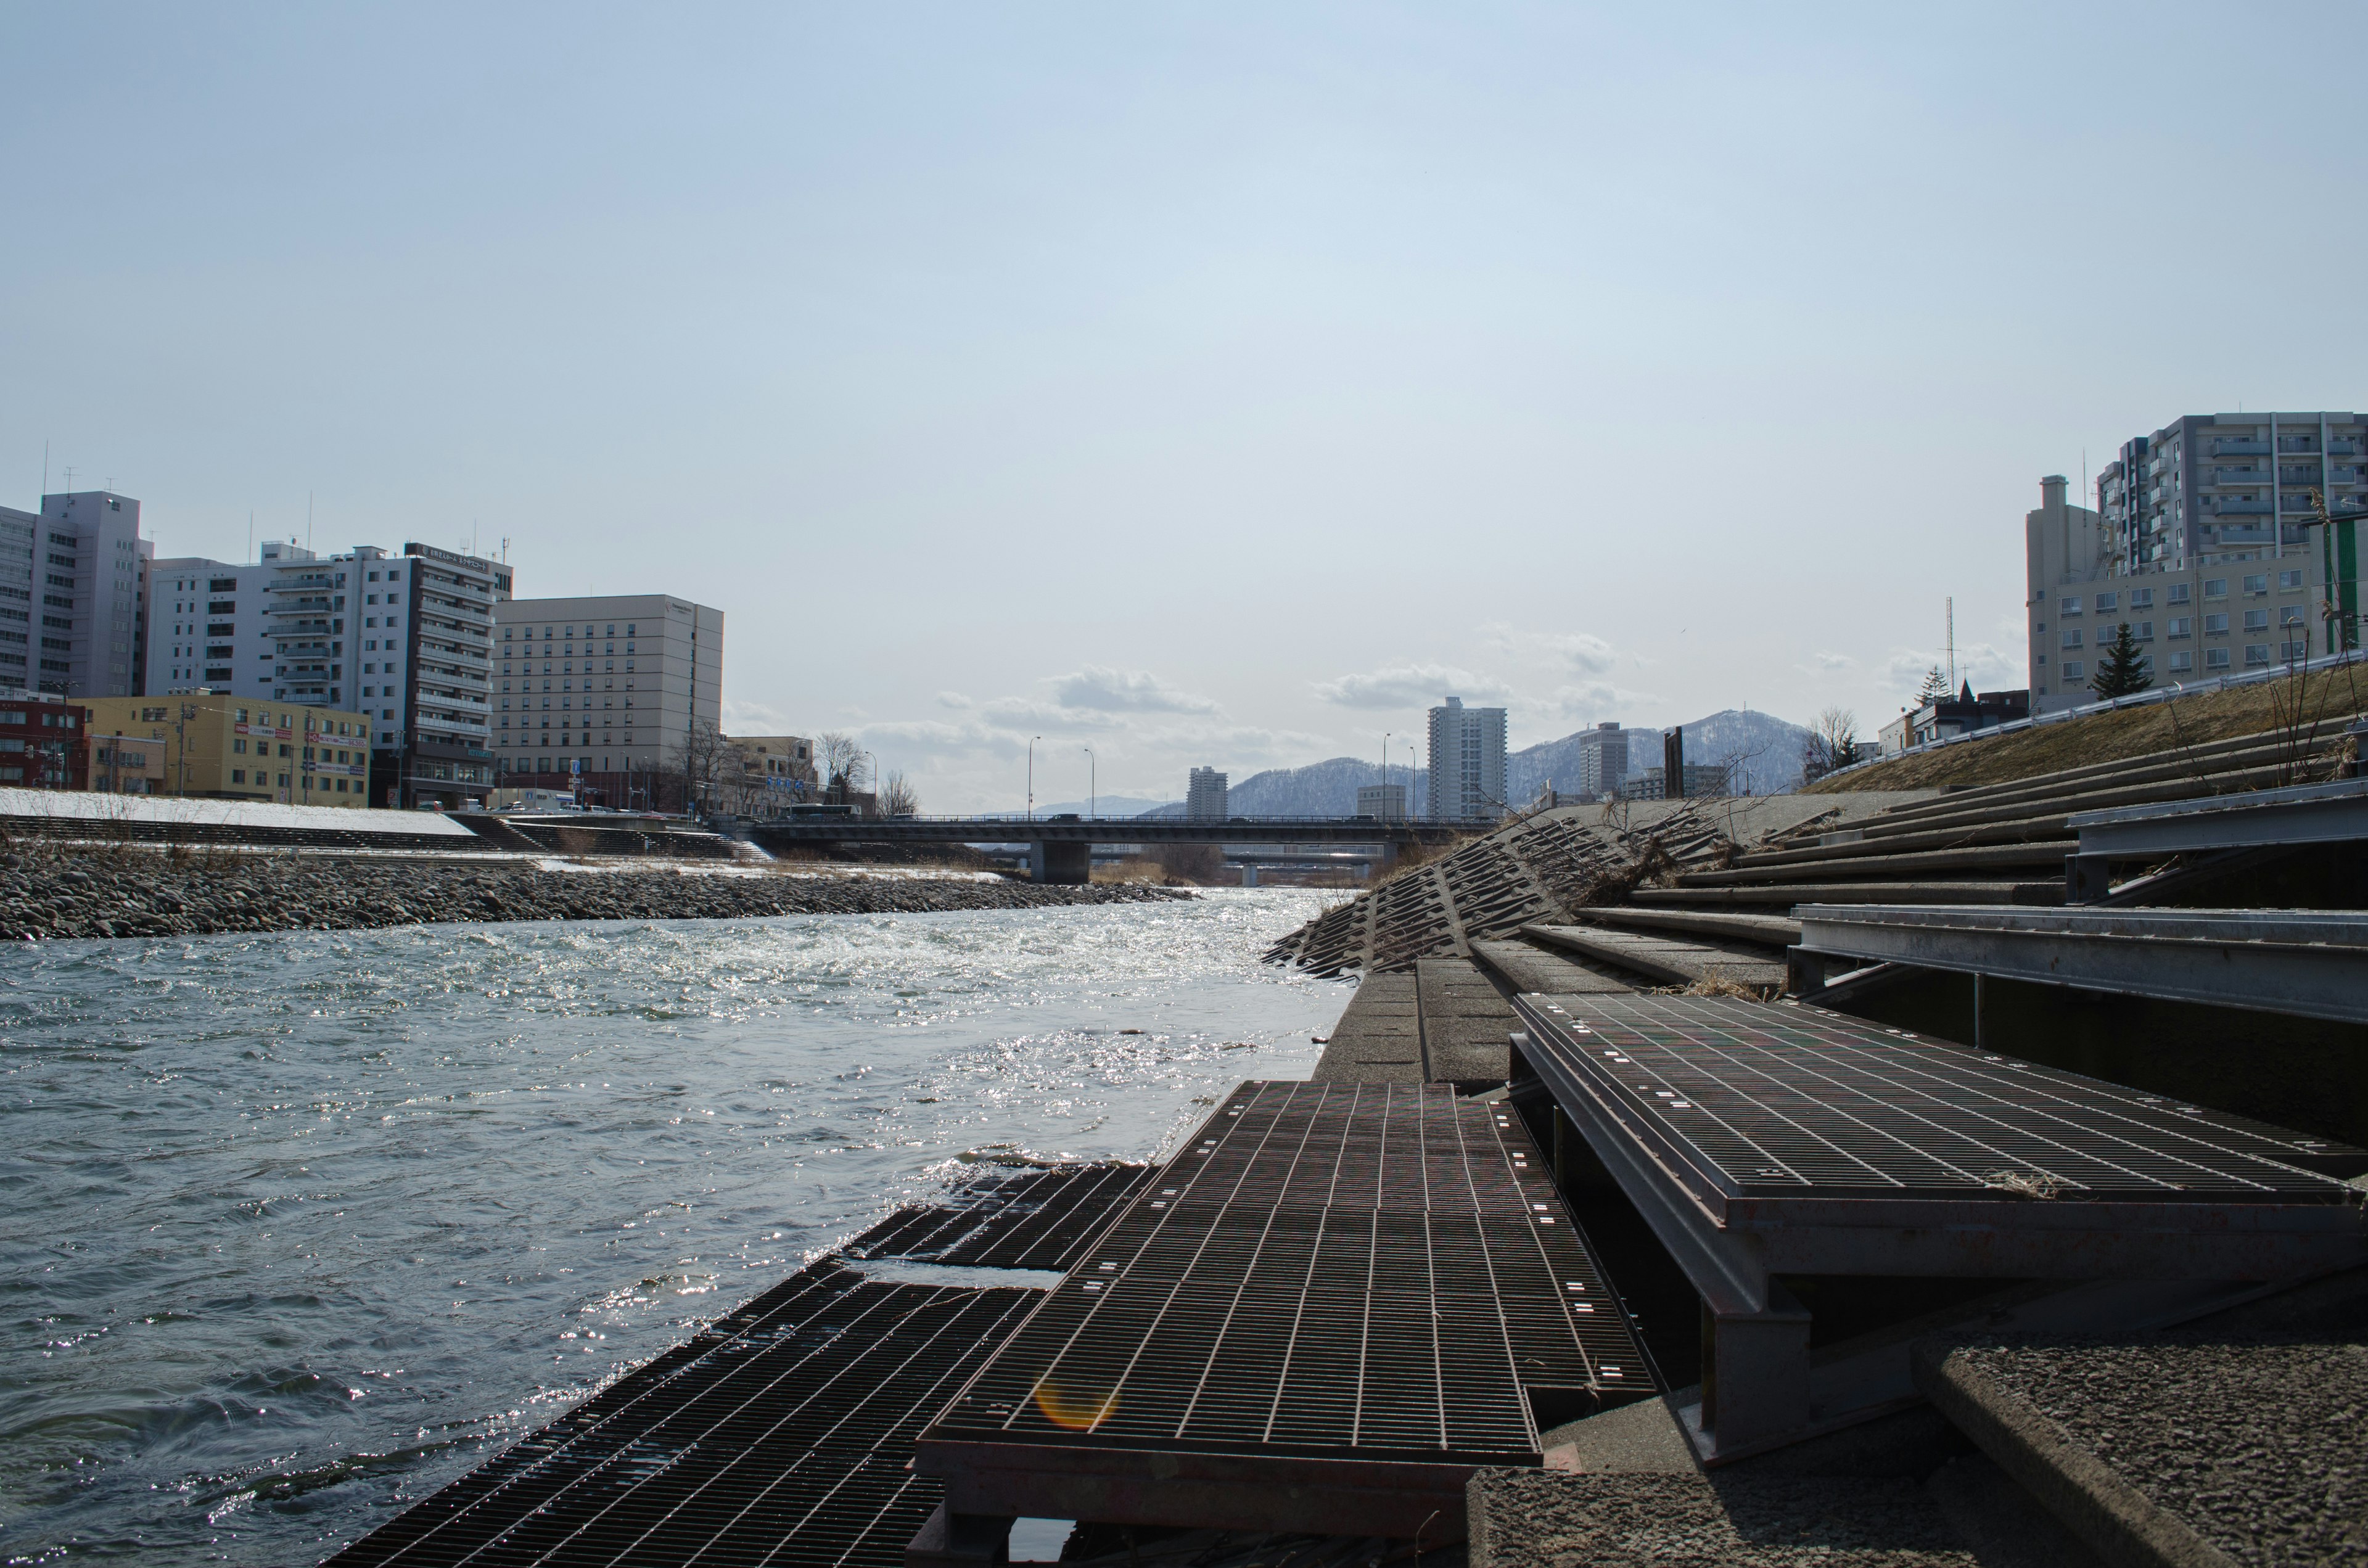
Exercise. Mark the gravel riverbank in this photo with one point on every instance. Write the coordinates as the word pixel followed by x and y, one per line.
pixel 137 893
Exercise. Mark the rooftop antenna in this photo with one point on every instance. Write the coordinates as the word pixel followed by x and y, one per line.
pixel 45 465
pixel 250 533
pixel 308 519
pixel 1950 611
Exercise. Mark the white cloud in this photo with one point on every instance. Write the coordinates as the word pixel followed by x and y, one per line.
pixel 754 718
pixel 1109 690
pixel 1594 701
pixel 1584 652
pixel 1402 686
pixel 1826 661
pixel 955 700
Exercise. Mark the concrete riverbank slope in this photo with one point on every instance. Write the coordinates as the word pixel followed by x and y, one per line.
pixel 141 891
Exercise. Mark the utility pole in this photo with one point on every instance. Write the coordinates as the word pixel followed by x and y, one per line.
pixel 1032 776
pixel 1093 788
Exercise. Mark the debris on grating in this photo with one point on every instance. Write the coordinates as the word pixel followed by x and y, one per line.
pixel 2024 1184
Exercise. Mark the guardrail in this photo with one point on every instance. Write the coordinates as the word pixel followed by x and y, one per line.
pixel 2136 700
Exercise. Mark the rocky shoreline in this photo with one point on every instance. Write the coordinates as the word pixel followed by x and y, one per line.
pixel 139 894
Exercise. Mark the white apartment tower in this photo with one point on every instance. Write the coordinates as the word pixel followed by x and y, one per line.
pixel 1467 762
pixel 72 587
pixel 1205 798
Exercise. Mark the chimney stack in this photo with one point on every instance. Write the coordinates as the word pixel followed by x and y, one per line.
pixel 2051 493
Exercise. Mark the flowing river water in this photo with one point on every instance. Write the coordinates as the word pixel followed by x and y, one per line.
pixel 294 1229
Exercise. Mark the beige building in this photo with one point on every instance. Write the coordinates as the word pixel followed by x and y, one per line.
pixel 774 771
pixel 240 748
pixel 125 763
pixel 604 688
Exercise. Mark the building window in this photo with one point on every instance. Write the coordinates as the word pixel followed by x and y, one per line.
pixel 2182 662
pixel 2257 653
pixel 2256 620
pixel 2290 615
pixel 2143 632
pixel 2179 593
pixel 2216 658
pixel 2107 602
pixel 2289 581
pixel 2216 625
pixel 2182 626
pixel 2215 587
pixel 2142 598
pixel 2072 668
pixel 2072 637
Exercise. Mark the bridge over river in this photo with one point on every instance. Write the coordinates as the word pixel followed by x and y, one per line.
pixel 1060 848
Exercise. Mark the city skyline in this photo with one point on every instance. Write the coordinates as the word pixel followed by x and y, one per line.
pixel 1226 387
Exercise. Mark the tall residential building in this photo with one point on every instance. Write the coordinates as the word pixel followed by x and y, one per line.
pixel 1204 797
pixel 1603 762
pixel 625 677
pixel 71 590
pixel 2207 543
pixel 1467 762
pixel 406 638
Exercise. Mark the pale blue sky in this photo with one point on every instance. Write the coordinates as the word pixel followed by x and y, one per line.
pixel 1201 384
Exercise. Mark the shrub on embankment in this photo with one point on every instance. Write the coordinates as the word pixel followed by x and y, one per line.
pixel 136 892
pixel 2307 707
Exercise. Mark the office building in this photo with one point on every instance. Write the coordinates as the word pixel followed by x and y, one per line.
pixel 73 586
pixel 2207 542
pixel 774 771
pixel 1702 779
pixel 406 638
pixel 603 690
pixel 1467 762
pixel 1602 763
pixel 1383 803
pixel 217 745
pixel 1204 797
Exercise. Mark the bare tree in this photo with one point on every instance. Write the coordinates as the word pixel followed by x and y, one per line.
pixel 841 760
pixel 1832 743
pixel 899 798
pixel 704 760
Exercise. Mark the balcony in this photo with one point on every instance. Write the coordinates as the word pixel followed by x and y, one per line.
pixel 2232 506
pixel 2240 446
pixel 2297 443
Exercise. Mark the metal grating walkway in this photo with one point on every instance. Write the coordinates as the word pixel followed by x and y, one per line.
pixel 1794 1100
pixel 1040 1219
pixel 1375 1273
pixel 781 1434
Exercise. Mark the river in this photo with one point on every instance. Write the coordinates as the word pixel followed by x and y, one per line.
pixel 298 1228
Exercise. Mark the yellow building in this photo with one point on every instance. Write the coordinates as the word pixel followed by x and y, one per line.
pixel 240 748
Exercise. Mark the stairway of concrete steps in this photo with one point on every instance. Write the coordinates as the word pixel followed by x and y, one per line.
pixel 1551 904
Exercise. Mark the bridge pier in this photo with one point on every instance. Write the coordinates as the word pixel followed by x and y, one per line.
pixel 1059 862
pixel 1249 873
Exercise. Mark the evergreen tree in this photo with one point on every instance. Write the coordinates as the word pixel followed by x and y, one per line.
pixel 1935 687
pixel 2121 666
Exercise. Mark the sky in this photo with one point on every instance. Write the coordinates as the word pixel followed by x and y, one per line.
pixel 1198 385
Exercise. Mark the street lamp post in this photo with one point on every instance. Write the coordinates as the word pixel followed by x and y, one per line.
pixel 1093 788
pixel 875 778
pixel 1032 776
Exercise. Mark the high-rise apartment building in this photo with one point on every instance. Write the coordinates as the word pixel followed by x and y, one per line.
pixel 1603 762
pixel 605 689
pixel 73 581
pixel 2225 542
pixel 406 638
pixel 1467 762
pixel 1204 796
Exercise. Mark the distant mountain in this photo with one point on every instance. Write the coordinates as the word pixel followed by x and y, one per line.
pixel 1320 789
pixel 1767 748
pixel 1104 805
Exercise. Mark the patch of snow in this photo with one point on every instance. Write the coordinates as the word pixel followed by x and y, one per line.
pixel 182 812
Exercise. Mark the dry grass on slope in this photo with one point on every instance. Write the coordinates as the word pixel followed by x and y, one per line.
pixel 2304 705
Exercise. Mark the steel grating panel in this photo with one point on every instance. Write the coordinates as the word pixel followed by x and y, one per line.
pixel 1752 1100
pixel 1039 1220
pixel 1367 1272
pixel 781 1434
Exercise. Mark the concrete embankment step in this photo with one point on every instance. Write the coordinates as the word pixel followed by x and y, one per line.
pixel 2047 852
pixel 1467 1023
pixel 1526 967
pixel 1768 930
pixel 1378 1037
pixel 2194 1449
pixel 1786 894
pixel 1668 958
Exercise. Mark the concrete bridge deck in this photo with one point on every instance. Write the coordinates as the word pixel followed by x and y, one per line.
pixel 1061 847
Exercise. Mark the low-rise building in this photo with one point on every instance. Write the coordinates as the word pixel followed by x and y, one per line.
pixel 1958 715
pixel 43 742
pixel 1383 803
pixel 125 765
pixel 775 772
pixel 216 745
